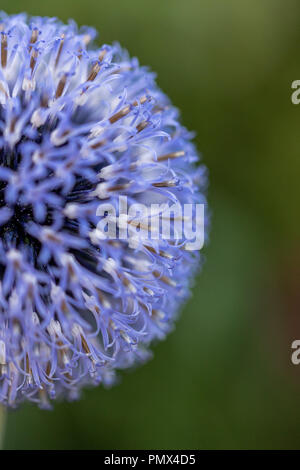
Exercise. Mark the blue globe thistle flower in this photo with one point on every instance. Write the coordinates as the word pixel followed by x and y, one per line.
pixel 80 125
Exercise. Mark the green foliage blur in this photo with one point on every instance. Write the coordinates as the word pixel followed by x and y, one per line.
pixel 223 379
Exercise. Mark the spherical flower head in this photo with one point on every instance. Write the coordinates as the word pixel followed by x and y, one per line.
pixel 81 126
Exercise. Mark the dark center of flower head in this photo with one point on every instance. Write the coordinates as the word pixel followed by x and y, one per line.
pixel 20 214
pixel 80 126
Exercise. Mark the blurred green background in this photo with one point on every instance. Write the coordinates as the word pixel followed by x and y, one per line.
pixel 224 378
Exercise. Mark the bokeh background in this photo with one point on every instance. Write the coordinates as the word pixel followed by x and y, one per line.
pixel 223 379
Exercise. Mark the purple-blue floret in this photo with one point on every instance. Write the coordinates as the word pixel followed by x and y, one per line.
pixel 81 125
